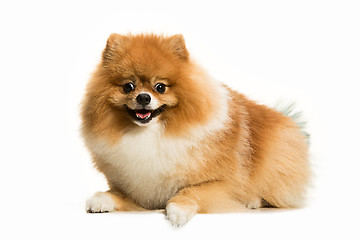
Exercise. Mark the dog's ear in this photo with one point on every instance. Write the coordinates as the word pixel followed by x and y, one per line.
pixel 177 46
pixel 115 40
pixel 114 44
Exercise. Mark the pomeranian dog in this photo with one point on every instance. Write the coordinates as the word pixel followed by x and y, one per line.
pixel 167 136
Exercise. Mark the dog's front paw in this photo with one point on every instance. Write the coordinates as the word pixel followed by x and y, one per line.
pixel 99 203
pixel 178 214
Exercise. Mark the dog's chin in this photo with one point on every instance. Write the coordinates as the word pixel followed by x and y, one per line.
pixel 143 117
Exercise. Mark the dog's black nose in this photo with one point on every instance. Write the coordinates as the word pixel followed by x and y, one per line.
pixel 143 99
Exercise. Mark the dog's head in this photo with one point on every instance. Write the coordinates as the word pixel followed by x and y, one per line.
pixel 148 78
pixel 144 71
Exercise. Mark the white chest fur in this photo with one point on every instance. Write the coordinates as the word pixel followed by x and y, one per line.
pixel 145 164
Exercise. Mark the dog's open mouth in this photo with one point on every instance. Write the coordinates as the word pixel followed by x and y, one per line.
pixel 144 115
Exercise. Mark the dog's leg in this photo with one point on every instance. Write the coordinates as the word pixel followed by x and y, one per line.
pixel 110 201
pixel 210 197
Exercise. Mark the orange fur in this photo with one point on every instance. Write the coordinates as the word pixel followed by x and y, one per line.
pixel 123 203
pixel 250 156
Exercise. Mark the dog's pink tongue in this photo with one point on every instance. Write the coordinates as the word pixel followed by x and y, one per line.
pixel 143 115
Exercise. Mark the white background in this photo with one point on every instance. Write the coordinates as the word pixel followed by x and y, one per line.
pixel 305 51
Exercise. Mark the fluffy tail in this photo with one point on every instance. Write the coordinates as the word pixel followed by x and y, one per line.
pixel 289 109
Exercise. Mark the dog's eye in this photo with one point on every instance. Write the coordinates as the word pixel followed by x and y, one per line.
pixel 160 88
pixel 128 87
